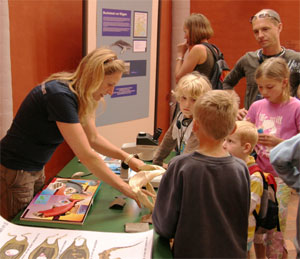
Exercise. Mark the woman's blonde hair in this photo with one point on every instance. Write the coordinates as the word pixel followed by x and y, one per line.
pixel 88 77
pixel 277 69
pixel 192 85
pixel 216 111
pixel 199 28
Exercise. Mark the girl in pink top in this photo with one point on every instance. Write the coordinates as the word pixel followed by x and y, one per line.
pixel 278 117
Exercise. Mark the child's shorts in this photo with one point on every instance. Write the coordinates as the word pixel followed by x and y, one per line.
pixel 249 244
pixel 273 241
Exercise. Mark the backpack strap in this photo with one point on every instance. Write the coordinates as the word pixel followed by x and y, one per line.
pixel 214 50
pixel 266 176
pixel 271 180
pixel 254 168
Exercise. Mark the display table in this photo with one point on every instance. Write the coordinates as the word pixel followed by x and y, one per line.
pixel 101 217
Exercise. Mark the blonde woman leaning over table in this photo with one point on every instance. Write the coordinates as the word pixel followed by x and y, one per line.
pixel 62 108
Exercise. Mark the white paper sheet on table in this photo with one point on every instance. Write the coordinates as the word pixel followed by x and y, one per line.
pixel 107 244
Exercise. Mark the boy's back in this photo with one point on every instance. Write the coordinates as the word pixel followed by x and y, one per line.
pixel 204 204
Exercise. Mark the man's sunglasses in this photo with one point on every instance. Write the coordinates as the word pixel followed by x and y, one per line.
pixel 263 15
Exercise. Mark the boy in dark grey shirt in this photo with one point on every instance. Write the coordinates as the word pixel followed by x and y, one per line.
pixel 203 198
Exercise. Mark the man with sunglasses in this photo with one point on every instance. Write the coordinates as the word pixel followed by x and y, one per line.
pixel 266 25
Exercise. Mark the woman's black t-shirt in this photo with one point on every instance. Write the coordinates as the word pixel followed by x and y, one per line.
pixel 34 135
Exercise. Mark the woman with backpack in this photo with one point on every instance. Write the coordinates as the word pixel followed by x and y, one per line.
pixel 195 53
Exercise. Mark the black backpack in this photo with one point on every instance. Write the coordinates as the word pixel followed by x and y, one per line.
pixel 220 69
pixel 268 217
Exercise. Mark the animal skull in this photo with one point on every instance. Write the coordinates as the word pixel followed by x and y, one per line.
pixel 143 179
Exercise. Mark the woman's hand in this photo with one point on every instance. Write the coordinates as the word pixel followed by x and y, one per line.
pixel 268 140
pixel 165 166
pixel 181 49
pixel 135 164
pixel 241 114
pixel 127 191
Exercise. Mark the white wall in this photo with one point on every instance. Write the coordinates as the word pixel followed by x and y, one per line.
pixel 180 10
pixel 6 109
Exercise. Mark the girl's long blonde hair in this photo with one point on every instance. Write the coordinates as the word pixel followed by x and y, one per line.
pixel 88 77
pixel 277 69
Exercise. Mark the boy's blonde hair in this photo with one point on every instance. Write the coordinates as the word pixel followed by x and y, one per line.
pixel 246 131
pixel 199 28
pixel 277 69
pixel 192 85
pixel 216 111
pixel 88 77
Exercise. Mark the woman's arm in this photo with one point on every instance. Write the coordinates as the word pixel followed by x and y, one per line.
pixel 285 158
pixel 165 147
pixel 103 146
pixel 197 55
pixel 76 138
pixel 268 140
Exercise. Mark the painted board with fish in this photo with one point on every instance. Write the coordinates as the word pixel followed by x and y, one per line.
pixel 63 200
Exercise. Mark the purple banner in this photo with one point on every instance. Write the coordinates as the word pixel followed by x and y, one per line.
pixel 124 90
pixel 116 22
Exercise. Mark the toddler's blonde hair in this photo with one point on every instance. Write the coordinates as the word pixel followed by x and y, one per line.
pixel 246 131
pixel 192 85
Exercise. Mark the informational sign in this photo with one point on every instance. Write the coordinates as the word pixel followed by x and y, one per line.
pixel 116 22
pixel 139 46
pixel 124 90
pixel 124 27
pixel 130 29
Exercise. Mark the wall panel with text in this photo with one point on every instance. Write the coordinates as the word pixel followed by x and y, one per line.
pixel 129 28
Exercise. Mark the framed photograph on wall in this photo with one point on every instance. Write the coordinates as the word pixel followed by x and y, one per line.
pixel 140 26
